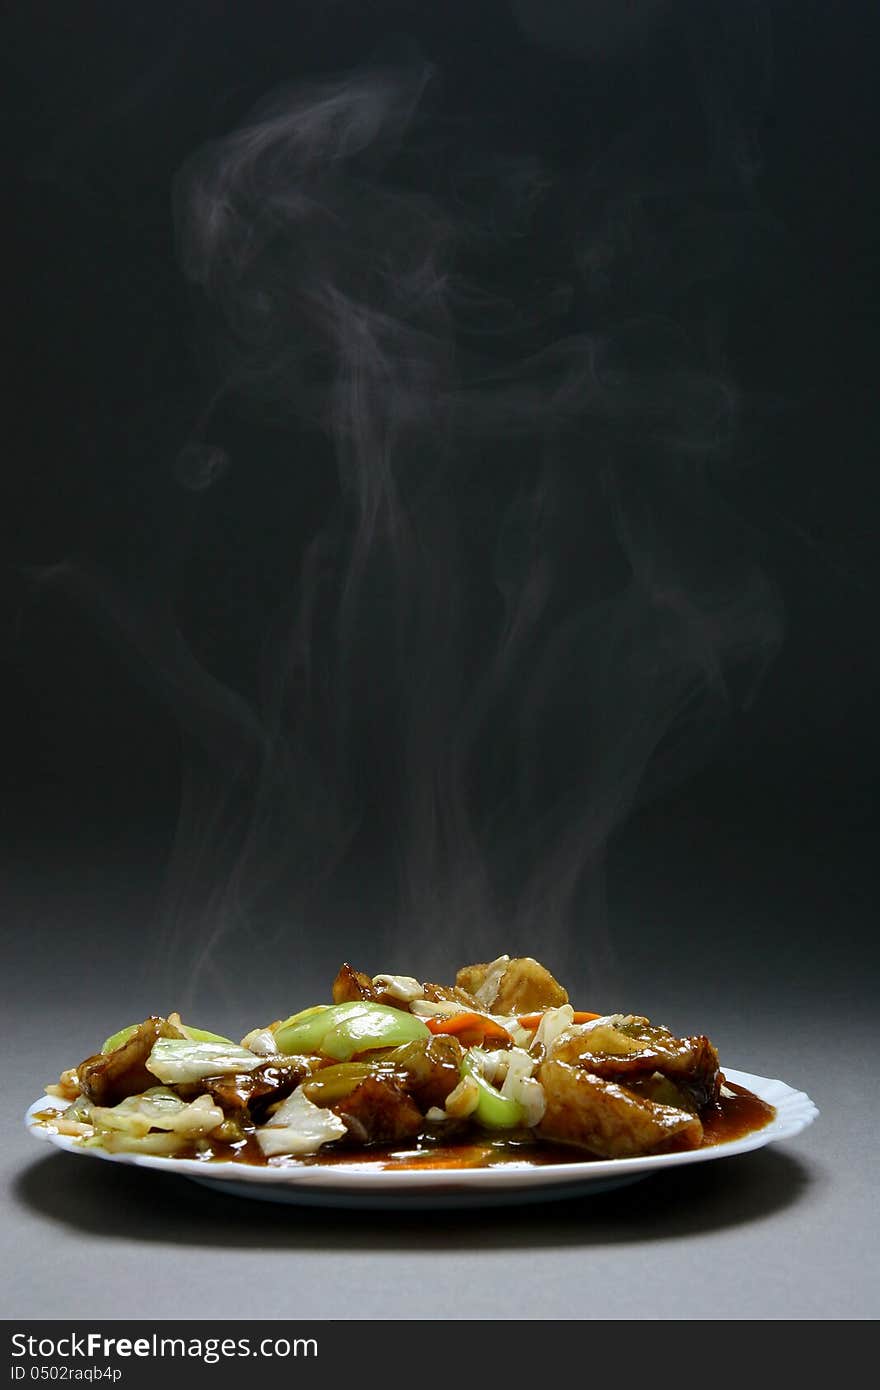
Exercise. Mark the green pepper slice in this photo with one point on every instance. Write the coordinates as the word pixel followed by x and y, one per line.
pixel 196 1035
pixel 343 1031
pixel 493 1111
pixel 117 1039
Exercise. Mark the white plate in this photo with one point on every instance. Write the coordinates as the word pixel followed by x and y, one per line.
pixel 410 1188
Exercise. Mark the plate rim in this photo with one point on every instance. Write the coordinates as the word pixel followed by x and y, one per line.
pixel 795 1111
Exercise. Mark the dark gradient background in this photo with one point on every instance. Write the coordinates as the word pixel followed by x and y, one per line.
pixel 736 897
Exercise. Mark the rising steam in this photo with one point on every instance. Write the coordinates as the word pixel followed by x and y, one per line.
pixel 525 605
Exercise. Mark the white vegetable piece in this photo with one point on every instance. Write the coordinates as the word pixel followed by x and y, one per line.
pixel 299 1127
pixel 449 1008
pixel 510 1069
pixel 464 1099
pixel 176 1060
pixel 158 1109
pixel 403 987
pixel 488 990
pixel 262 1041
pixel 553 1022
pixel 520 1085
pixel 436 1008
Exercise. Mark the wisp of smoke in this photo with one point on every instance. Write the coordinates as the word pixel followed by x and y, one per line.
pixel 526 605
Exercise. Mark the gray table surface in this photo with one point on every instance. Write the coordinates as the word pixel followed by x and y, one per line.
pixel 783 979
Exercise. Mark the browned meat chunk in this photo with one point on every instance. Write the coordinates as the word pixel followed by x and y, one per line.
pixel 427 1070
pixel 632 1048
pixel 251 1092
pixel 471 977
pixel 665 1092
pixel 108 1077
pixel 608 1120
pixel 351 985
pixel 524 987
pixel 378 1111
pixel 454 994
pixel 432 1069
pixel 331 1085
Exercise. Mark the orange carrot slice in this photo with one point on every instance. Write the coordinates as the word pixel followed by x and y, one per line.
pixel 532 1020
pixel 472 1030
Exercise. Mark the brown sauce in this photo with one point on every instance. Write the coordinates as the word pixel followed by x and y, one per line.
pixel 734 1116
pixel 731 1117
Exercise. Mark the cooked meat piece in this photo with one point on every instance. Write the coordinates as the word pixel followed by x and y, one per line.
pixel 378 1111
pixel 351 985
pixel 600 1038
pixel 331 1085
pixel 251 1092
pixel 454 994
pixel 626 1048
pixel 524 986
pixel 608 1120
pixel 427 1070
pixel 108 1077
pixel 659 1088
pixel 472 978
pixel 431 1067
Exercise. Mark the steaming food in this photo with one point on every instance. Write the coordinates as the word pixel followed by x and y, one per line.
pixel 498 1065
